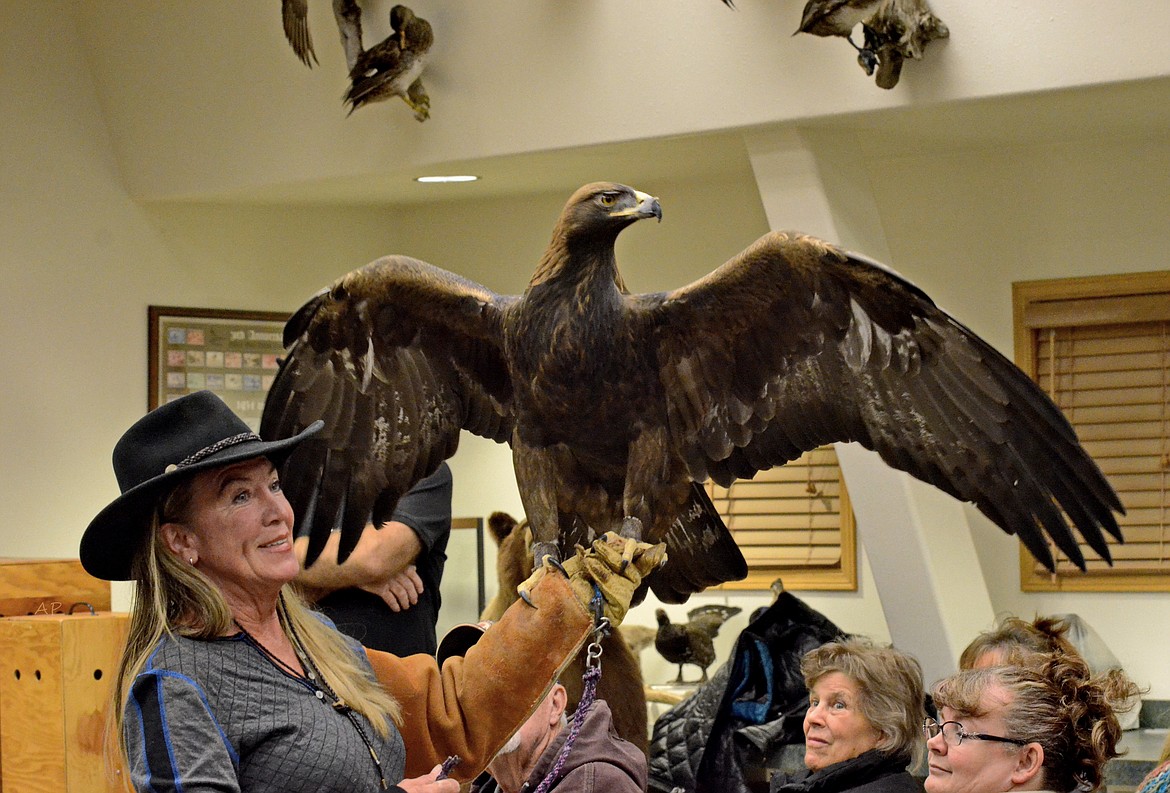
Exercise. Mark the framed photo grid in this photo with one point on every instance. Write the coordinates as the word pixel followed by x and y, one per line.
pixel 233 353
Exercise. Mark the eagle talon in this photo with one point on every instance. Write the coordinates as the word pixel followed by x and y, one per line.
pixel 526 597
pixel 545 550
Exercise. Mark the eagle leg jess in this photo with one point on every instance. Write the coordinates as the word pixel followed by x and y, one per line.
pixel 632 533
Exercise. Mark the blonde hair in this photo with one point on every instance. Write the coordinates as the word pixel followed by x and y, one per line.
pixel 1054 701
pixel 174 599
pixel 892 695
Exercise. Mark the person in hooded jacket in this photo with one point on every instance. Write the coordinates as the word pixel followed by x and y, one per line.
pixel 862 728
pixel 598 760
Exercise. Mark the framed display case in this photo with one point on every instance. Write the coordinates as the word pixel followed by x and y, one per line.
pixel 233 353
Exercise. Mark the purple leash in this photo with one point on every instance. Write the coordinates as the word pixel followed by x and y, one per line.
pixel 588 695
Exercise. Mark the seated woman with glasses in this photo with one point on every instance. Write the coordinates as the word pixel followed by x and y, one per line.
pixel 861 729
pixel 1047 725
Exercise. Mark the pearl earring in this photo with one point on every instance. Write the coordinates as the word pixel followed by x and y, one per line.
pixel 192 560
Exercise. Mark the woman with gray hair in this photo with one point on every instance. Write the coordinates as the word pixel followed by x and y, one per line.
pixel 861 730
pixel 1045 725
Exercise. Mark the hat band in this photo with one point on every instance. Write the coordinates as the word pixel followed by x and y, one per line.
pixel 218 446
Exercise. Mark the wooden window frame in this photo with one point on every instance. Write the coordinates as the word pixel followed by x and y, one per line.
pixel 1085 302
pixel 839 577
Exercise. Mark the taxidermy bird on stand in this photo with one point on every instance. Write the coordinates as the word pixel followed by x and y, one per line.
pixel 892 30
pixel 899 30
pixel 617 406
pixel 691 642
pixel 394 67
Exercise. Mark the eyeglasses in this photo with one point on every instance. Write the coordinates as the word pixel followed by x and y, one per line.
pixel 954 734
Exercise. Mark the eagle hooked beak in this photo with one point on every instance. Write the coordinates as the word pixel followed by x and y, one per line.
pixel 648 206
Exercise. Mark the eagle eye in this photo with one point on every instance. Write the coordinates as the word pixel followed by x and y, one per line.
pixel 608 199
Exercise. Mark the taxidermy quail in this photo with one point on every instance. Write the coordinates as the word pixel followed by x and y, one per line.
pixel 691 643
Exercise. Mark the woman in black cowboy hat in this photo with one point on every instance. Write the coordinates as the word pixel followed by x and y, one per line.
pixel 229 682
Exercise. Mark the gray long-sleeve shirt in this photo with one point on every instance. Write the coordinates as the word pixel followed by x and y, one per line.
pixel 220 716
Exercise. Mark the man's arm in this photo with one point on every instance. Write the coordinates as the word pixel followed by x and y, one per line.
pixel 377 562
pixel 382 561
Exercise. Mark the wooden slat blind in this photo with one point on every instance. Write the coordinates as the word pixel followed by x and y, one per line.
pixel 1104 358
pixel 794 523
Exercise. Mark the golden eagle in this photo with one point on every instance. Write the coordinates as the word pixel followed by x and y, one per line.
pixel 616 405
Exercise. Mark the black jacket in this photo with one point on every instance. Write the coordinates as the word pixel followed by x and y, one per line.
pixel 871 772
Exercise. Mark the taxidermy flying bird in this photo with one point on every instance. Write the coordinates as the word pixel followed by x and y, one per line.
pixel 617 405
pixel 394 67
pixel 691 642
pixel 391 68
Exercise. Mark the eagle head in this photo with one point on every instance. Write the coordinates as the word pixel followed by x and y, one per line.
pixel 588 228
pixel 605 208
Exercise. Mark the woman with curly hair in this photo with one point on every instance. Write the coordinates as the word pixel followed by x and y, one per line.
pixel 1045 725
pixel 861 729
pixel 1013 639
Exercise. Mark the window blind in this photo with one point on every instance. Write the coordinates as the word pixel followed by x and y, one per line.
pixel 793 522
pixel 1104 358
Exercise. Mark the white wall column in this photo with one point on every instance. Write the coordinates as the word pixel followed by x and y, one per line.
pixel 918 541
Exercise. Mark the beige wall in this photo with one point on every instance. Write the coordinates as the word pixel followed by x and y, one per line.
pixel 81 260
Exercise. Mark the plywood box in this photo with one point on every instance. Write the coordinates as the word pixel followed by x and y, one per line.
pixel 56 673
pixel 48 586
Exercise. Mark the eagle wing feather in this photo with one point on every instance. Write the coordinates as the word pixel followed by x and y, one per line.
pixel 795 343
pixel 397 357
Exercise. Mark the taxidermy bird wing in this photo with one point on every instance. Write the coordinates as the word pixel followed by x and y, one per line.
pixel 396 357
pixel 295 15
pixel 795 343
pixel 349 27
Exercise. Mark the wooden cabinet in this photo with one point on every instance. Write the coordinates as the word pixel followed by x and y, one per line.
pixel 55 682
pixel 56 673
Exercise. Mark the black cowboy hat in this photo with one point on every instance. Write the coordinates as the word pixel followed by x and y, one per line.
pixel 168 444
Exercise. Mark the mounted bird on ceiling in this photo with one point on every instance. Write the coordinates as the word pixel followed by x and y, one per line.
pixel 394 67
pixel 618 405
pixel 388 69
pixel 892 31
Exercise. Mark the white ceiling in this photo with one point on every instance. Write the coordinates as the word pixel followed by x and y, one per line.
pixel 1128 110
pixel 205 102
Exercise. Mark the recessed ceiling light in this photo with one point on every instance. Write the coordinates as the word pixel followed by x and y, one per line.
pixel 452 178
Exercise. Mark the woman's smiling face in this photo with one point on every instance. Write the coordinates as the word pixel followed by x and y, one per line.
pixel 238 527
pixel 975 766
pixel 835 729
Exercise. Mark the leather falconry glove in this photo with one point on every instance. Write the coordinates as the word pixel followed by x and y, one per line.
pixel 615 564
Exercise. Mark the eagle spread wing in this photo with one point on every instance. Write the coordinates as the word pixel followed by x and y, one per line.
pixel 397 357
pixel 795 343
pixel 619 405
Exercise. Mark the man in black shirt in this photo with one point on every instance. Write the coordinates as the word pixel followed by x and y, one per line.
pixel 386 594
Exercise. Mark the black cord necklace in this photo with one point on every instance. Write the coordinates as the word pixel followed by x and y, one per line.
pixel 312 678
